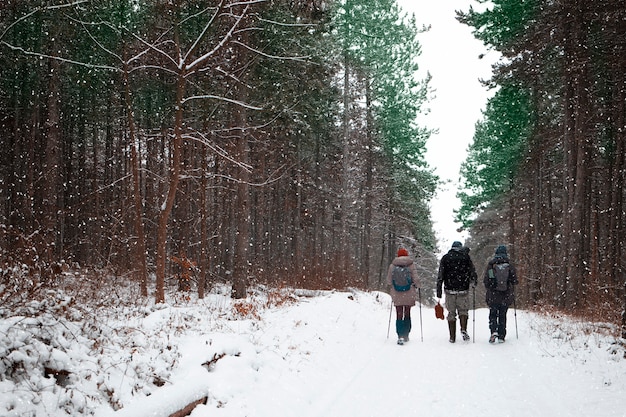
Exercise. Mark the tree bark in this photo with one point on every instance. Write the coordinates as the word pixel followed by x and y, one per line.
pixel 52 164
pixel 140 244
pixel 241 267
pixel 369 181
pixel 174 177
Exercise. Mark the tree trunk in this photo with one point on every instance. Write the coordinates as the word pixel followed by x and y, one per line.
pixel 174 177
pixel 345 157
pixel 369 181
pixel 579 160
pixel 241 260
pixel 242 213
pixel 204 241
pixel 52 165
pixel 140 245
pixel 569 172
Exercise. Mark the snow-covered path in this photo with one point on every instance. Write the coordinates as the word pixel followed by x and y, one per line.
pixel 329 356
pixel 278 354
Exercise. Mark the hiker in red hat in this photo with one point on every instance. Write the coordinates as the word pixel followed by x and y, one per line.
pixel 403 280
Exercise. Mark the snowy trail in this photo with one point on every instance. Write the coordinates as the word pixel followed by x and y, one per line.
pixel 435 376
pixel 324 355
pixel 337 361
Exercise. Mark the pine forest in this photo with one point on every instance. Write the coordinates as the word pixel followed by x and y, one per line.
pixel 181 143
pixel 546 170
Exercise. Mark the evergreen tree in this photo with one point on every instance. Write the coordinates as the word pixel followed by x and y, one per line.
pixel 496 152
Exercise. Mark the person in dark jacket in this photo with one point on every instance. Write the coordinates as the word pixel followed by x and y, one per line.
pixel 403 300
pixel 456 274
pixel 499 297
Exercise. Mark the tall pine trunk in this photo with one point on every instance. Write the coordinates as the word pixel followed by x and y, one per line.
pixel 172 187
pixel 241 267
pixel 140 245
pixel 52 165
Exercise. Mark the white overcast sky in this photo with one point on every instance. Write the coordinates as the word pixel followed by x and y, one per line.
pixel 451 54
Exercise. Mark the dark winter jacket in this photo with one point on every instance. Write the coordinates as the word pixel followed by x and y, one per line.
pixel 495 297
pixel 456 271
pixel 404 298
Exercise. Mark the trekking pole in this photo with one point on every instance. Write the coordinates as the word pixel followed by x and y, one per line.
pixel 474 318
pixel 515 313
pixel 389 325
pixel 419 294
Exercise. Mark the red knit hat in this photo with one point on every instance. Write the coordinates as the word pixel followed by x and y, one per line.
pixel 403 252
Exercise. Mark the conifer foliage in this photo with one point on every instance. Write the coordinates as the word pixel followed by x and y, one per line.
pixel 548 157
pixel 267 141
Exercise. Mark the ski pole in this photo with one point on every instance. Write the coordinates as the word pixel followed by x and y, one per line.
pixel 419 294
pixel 389 325
pixel 515 313
pixel 474 318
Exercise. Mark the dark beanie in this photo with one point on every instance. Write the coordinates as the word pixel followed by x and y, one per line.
pixel 501 250
pixel 456 244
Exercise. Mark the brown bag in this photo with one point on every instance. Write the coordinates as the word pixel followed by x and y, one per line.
pixel 439 311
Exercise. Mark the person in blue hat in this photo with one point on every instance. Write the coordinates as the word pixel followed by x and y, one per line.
pixel 500 280
pixel 456 274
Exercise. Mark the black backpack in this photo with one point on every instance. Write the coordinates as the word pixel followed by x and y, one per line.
pixel 458 270
pixel 401 278
pixel 500 273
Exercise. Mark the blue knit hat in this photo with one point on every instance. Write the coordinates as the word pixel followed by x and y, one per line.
pixel 501 250
pixel 456 244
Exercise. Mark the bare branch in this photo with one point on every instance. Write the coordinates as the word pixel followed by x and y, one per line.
pixel 196 44
pixel 191 67
pixel 201 138
pixel 155 49
pixel 155 67
pixel 273 22
pixel 97 42
pixel 248 3
pixel 57 58
pixel 210 96
pixel 283 58
pixel 39 9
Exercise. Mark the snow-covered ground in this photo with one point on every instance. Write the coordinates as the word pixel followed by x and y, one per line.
pixel 298 353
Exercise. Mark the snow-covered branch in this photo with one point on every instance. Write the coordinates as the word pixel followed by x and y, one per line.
pixel 192 66
pixel 154 48
pixel 96 41
pixel 283 58
pixel 245 3
pixel 40 9
pixel 200 137
pixel 57 58
pixel 196 44
pixel 154 67
pixel 211 96
pixel 274 22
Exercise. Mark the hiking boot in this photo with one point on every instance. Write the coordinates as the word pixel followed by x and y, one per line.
pixel 452 328
pixel 463 320
pixel 493 337
pixel 501 339
pixel 401 341
pixel 407 329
